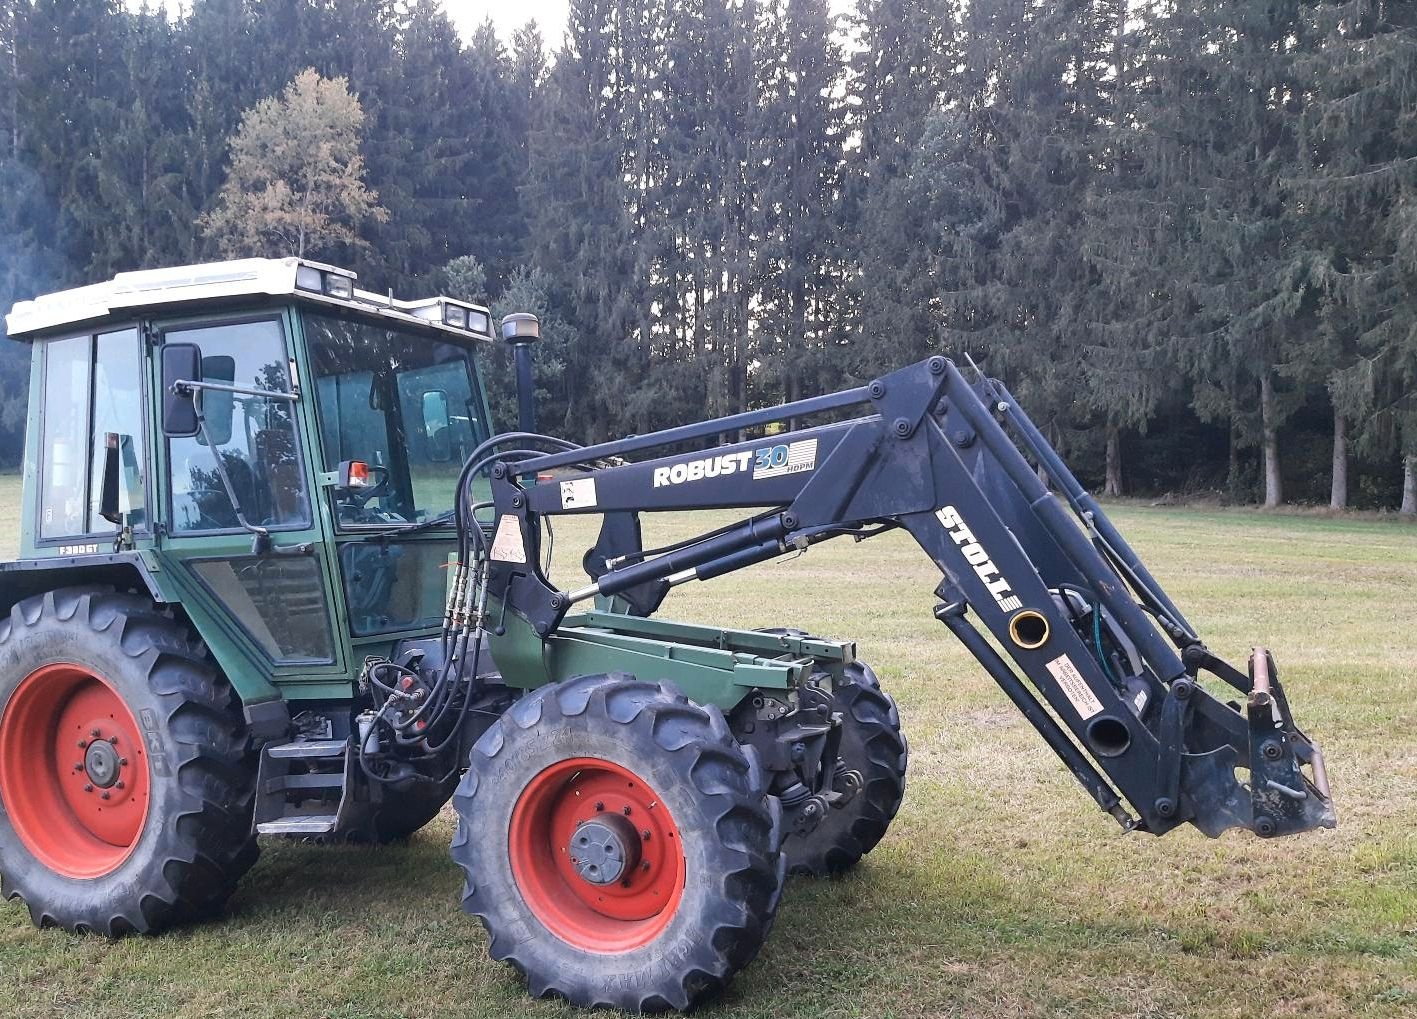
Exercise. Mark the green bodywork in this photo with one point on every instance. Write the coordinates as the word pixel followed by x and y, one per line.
pixel 711 665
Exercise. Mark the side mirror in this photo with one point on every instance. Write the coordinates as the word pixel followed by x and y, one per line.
pixel 437 426
pixel 181 362
pixel 219 406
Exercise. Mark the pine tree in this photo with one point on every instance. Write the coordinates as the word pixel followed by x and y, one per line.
pixel 580 226
pixel 797 158
pixel 1359 185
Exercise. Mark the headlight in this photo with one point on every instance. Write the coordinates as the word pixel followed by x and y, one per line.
pixel 455 315
pixel 338 286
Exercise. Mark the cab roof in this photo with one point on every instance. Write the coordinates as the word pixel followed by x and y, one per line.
pixel 129 293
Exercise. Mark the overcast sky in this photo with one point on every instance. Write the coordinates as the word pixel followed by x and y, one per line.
pixel 507 15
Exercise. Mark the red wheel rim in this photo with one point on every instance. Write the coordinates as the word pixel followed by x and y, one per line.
pixel 555 811
pixel 73 771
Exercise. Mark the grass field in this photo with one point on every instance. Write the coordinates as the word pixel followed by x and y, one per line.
pixel 999 892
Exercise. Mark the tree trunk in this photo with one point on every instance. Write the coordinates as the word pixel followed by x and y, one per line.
pixel 1273 484
pixel 1232 471
pixel 1113 485
pixel 1338 491
pixel 1409 486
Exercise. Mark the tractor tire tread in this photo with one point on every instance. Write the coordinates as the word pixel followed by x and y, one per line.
pixel 199 857
pixel 731 786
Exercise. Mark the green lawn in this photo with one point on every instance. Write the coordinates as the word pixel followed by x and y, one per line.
pixel 1001 891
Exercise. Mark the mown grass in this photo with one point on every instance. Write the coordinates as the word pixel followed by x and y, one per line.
pixel 999 892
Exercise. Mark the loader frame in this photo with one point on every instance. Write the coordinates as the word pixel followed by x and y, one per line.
pixel 948 461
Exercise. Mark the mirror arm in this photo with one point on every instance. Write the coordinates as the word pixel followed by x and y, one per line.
pixel 184 387
pixel 262 542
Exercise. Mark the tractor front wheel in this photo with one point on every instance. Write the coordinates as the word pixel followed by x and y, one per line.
pixel 619 845
pixel 126 773
pixel 872 745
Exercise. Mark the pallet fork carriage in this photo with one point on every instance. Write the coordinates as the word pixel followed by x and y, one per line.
pixel 298 586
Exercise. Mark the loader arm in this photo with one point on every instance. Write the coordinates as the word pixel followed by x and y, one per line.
pixel 1111 664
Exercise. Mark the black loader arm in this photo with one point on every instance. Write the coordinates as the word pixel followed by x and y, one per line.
pixel 1095 655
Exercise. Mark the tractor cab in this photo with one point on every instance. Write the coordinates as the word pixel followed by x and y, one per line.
pixel 263 444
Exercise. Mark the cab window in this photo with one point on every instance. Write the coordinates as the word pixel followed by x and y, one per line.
pixel 92 389
pixel 254 435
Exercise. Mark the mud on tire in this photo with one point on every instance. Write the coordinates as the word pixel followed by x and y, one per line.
pixel 670 767
pixel 190 771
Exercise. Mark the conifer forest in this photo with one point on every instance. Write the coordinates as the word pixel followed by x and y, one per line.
pixel 1185 234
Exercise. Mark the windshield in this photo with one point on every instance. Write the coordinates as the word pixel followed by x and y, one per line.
pixel 404 403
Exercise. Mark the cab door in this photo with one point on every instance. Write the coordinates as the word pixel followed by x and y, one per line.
pixel 271 608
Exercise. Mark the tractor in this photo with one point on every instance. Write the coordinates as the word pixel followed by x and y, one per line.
pixel 281 576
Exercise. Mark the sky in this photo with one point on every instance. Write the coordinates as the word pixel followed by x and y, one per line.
pixel 507 15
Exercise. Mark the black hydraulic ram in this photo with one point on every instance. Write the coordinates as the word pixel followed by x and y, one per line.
pixel 1077 614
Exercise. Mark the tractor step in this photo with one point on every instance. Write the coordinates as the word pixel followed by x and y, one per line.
pixel 304 788
pixel 299 824
pixel 308 748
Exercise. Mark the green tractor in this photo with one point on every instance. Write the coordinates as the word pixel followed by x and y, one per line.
pixel 281 576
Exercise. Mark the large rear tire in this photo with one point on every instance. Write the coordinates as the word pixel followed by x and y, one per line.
pixel 126 769
pixel 873 745
pixel 619 845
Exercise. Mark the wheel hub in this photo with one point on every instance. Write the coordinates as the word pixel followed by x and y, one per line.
pixel 102 764
pixel 603 849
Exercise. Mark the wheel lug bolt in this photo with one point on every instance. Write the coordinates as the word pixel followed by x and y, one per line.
pixel 123 761
pixel 83 744
pixel 120 784
pixel 626 811
pixel 88 788
pixel 113 740
pixel 599 805
pixel 103 796
pixel 79 766
pixel 644 865
pixel 93 733
pixel 645 834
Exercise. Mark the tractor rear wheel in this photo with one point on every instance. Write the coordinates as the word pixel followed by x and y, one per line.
pixel 873 745
pixel 126 771
pixel 397 818
pixel 619 845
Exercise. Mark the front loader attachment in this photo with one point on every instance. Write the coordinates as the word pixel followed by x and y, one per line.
pixel 1085 642
pixel 1120 665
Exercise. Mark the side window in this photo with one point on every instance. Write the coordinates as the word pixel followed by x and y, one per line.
pixel 254 436
pixel 66 403
pixel 279 602
pixel 117 410
pixel 92 388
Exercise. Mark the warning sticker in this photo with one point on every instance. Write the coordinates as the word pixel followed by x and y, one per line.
pixel 1068 677
pixel 507 546
pixel 578 494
